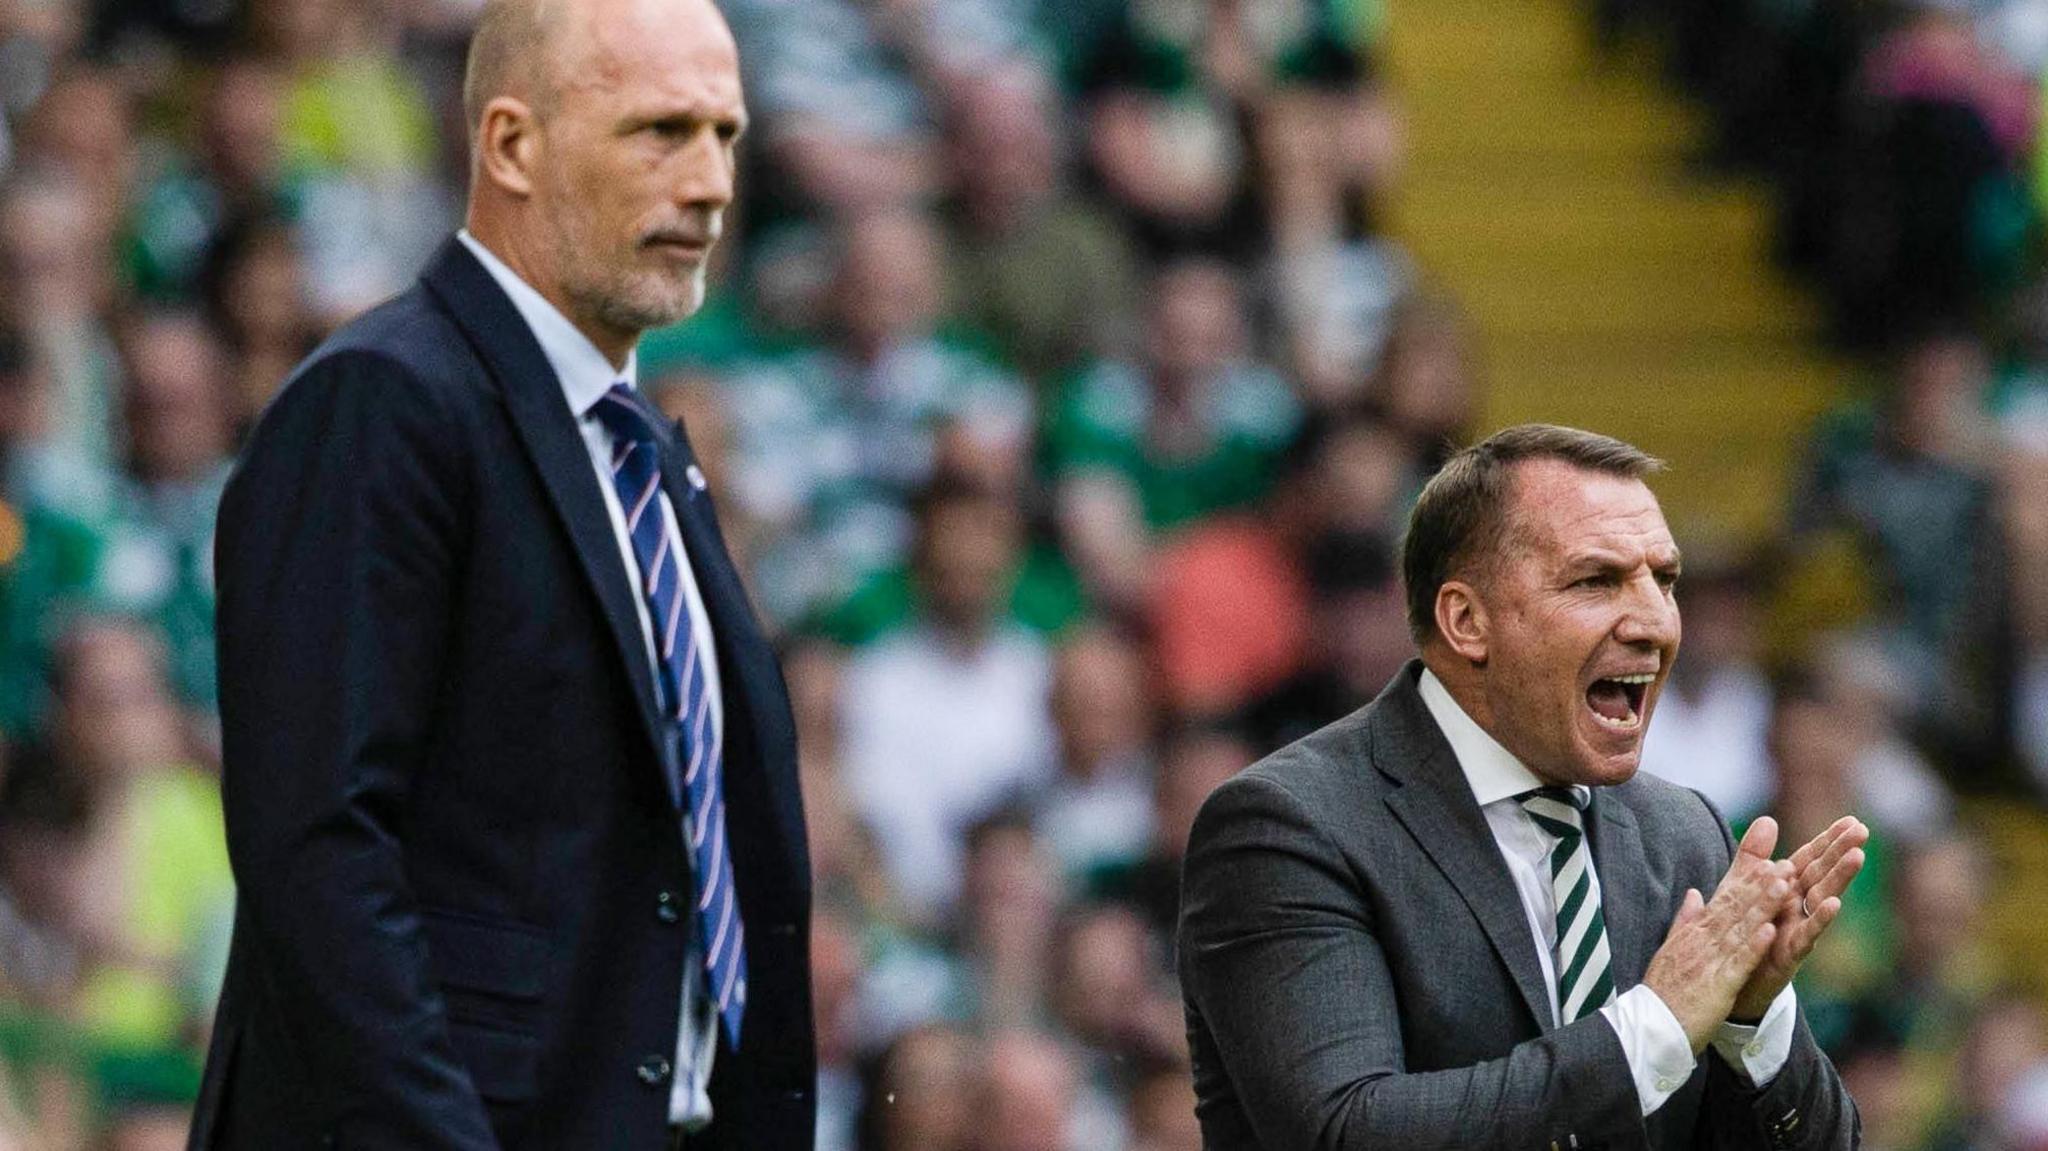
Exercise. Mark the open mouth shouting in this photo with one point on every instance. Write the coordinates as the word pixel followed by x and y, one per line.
pixel 1616 701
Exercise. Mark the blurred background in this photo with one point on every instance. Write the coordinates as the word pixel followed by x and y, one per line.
pixel 1064 388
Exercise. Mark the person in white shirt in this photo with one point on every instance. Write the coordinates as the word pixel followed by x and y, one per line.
pixel 945 719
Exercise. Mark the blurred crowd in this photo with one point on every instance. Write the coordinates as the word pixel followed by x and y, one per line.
pixel 1063 397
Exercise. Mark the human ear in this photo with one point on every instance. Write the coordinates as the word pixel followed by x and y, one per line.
pixel 1461 619
pixel 508 141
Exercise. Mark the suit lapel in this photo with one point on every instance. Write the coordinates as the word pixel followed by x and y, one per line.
pixel 1436 805
pixel 547 429
pixel 1628 902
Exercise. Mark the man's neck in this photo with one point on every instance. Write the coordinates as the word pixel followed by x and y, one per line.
pixel 504 243
pixel 1462 683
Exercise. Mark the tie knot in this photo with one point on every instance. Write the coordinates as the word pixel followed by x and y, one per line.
pixel 620 412
pixel 1554 804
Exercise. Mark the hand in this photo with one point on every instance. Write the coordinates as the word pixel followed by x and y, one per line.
pixel 1714 947
pixel 1821 872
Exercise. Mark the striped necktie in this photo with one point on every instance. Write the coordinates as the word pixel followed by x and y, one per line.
pixel 685 701
pixel 1585 979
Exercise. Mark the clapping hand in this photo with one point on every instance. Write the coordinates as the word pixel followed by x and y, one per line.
pixel 1821 871
pixel 1710 957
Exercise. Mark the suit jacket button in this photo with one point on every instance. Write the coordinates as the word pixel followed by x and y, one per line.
pixel 653 1070
pixel 667 908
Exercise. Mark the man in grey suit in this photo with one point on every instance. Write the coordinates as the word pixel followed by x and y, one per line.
pixel 1459 918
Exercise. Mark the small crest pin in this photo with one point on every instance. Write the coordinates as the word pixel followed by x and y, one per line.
pixel 695 475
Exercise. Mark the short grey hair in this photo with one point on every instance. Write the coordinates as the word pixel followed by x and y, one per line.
pixel 1463 508
pixel 508 34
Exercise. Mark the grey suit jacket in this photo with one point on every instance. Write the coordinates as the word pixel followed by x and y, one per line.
pixel 1359 972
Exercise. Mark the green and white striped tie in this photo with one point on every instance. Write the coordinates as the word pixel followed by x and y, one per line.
pixel 1585 979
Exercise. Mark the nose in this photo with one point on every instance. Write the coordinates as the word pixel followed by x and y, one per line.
pixel 706 172
pixel 1649 616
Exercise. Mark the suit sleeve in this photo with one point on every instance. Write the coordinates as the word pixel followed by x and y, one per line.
pixel 337 553
pixel 1804 1108
pixel 1281 962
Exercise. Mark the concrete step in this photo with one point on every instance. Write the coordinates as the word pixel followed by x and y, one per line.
pixel 1550 190
pixel 1535 308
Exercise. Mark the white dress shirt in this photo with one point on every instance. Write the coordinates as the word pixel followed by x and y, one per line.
pixel 1652 1040
pixel 585 376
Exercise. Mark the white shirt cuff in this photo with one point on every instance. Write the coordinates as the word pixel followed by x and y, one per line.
pixel 1758 1053
pixel 1654 1043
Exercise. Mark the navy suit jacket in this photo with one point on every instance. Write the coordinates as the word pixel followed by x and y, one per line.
pixel 463 889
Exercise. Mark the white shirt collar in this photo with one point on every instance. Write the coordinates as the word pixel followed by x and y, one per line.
pixel 584 373
pixel 1492 770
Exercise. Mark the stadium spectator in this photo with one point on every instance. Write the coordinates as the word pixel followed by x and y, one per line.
pixel 1813 751
pixel 1108 995
pixel 1357 639
pixel 1331 521
pixel 947 718
pixel 358 130
pixel 1030 1099
pixel 147 884
pixel 1943 972
pixel 1872 698
pixel 1715 712
pixel 1908 479
pixel 1243 604
pixel 83 127
pixel 1003 933
pixel 1096 813
pixel 1427 384
pixel 846 866
pixel 852 92
pixel 253 287
pixel 1021 225
pixel 2007 1040
pixel 49 560
pixel 236 169
pixel 1874 1063
pixel 835 987
pixel 831 441
pixel 1187 104
pixel 59 291
pixel 918 1093
pixel 1194 427
pixel 178 418
pixel 1192 763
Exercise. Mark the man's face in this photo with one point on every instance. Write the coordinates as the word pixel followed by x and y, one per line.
pixel 1196 326
pixel 115 715
pixel 1581 623
pixel 637 159
pixel 968 549
pixel 888 284
pixel 176 410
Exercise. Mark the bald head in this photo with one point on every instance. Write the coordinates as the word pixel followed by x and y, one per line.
pixel 519 45
pixel 602 136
